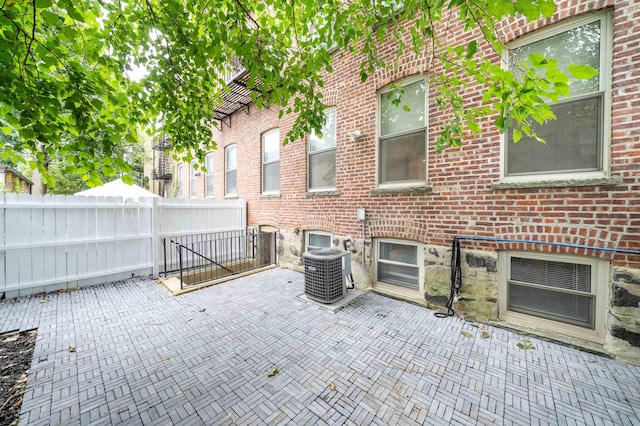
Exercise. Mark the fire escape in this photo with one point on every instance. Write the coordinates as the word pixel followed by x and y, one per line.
pixel 162 171
pixel 237 97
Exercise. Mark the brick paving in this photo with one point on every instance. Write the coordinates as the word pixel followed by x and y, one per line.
pixel 143 356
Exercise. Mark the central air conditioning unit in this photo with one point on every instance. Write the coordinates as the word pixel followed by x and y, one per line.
pixel 324 274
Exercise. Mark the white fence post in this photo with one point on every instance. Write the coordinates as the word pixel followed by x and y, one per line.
pixel 155 241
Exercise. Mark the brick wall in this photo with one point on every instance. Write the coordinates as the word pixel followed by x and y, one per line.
pixel 464 199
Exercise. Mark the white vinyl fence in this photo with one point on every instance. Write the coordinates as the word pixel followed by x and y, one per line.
pixel 57 242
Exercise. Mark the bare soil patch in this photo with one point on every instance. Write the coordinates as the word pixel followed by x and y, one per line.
pixel 16 352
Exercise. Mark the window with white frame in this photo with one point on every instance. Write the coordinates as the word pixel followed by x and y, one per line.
pixel 208 178
pixel 322 155
pixel 231 166
pixel 553 288
pixel 576 140
pixel 399 262
pixel 271 161
pixel 193 179
pixel 180 184
pixel 317 240
pixel 402 133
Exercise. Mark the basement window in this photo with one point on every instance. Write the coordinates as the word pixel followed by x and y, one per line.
pixel 559 293
pixel 317 240
pixel 399 263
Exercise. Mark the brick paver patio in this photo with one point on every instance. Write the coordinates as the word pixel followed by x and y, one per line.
pixel 145 357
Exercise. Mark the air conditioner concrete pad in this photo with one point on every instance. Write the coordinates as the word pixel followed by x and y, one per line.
pixel 338 304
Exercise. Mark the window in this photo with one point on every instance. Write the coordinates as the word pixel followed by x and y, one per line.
pixel 180 184
pixel 322 155
pixel 193 179
pixel 554 288
pixel 402 134
pixel 399 263
pixel 271 161
pixel 231 165
pixel 208 178
pixel 318 240
pixel 575 142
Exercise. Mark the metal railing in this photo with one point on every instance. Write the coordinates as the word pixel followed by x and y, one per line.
pixel 200 258
pixel 236 68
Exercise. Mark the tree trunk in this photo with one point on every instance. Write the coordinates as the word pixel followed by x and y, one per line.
pixel 38 186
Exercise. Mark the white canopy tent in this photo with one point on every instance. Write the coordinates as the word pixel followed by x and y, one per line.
pixel 118 188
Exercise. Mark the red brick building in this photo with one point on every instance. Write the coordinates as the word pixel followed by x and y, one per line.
pixel 553 230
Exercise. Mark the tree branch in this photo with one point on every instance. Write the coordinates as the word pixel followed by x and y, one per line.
pixel 33 35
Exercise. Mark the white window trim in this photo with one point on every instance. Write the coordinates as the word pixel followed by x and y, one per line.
pixel 606 64
pixel 209 176
pixel 389 88
pixel 394 288
pixel 268 132
pixel 599 284
pixel 306 238
pixel 226 170
pixel 334 149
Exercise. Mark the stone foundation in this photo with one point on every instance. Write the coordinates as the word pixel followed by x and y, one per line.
pixel 623 339
pixel 290 247
pixel 478 300
pixel 478 294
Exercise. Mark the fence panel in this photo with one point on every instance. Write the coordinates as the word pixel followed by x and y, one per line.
pixel 53 242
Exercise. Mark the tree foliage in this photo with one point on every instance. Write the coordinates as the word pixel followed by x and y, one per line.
pixel 65 65
pixel 64 179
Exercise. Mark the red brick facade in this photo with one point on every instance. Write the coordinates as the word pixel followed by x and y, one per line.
pixel 465 196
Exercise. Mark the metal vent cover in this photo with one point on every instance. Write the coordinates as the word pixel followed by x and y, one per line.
pixel 324 274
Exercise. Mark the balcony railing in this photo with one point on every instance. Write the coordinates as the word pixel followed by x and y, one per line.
pixel 162 144
pixel 236 69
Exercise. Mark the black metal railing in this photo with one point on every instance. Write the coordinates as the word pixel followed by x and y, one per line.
pixel 200 258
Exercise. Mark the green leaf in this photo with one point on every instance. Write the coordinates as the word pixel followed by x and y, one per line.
pixel 537 60
pixel 472 48
pixel 127 179
pixel 527 8
pixel 547 8
pixel 582 72
pixel 525 345
pixel 273 372
pixel 43 4
pixel 75 14
pixel 517 135
pixel 130 137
